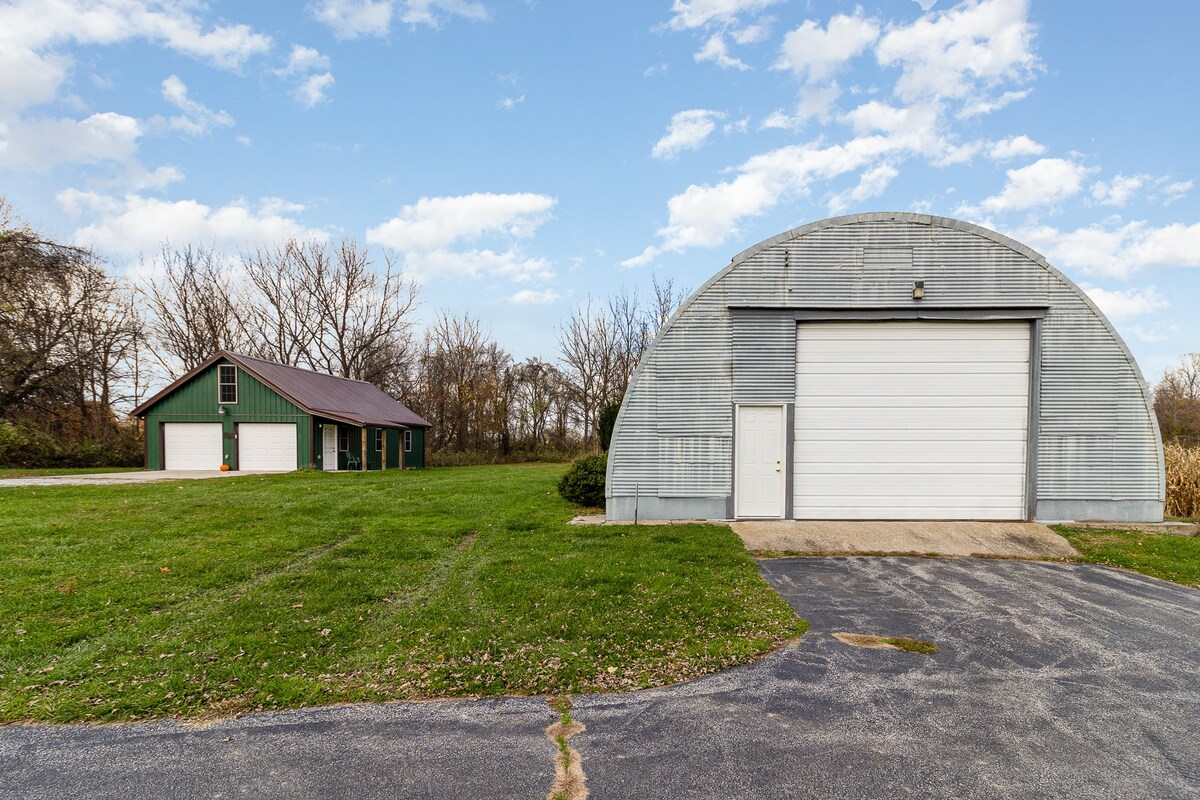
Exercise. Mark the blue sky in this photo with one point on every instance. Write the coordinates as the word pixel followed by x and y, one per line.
pixel 517 156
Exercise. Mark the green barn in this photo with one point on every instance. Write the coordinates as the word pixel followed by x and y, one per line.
pixel 243 413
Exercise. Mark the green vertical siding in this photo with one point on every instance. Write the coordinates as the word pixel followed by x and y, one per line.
pixel 196 401
pixel 374 457
pixel 393 448
pixel 354 448
pixel 416 458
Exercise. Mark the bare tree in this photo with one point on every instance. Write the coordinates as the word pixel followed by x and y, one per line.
pixel 284 313
pixel 361 317
pixel 69 346
pixel 193 309
pixel 1177 401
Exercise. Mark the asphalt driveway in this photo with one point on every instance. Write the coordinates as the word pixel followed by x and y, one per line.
pixel 1053 680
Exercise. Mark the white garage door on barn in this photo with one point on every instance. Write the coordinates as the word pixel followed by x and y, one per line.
pixel 192 445
pixel 911 420
pixel 267 446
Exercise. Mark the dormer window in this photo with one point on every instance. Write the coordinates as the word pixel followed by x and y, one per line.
pixel 227 384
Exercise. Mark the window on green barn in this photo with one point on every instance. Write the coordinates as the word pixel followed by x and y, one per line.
pixel 227 384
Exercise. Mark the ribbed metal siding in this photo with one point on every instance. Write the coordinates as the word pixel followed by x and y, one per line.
pixel 1096 436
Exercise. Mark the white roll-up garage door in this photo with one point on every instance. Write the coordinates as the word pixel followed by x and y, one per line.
pixel 192 445
pixel 911 420
pixel 267 446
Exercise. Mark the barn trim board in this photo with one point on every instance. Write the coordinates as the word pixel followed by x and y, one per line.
pixel 1092 447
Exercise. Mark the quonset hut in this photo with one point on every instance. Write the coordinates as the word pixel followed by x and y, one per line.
pixel 887 366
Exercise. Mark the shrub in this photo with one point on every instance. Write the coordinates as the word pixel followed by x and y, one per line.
pixel 605 423
pixel 1183 480
pixel 583 482
pixel 23 446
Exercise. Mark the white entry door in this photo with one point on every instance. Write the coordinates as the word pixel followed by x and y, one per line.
pixel 267 446
pixel 329 447
pixel 760 452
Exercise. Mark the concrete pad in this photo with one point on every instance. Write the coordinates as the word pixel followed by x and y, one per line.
pixel 1013 539
pixel 119 478
pixel 1172 528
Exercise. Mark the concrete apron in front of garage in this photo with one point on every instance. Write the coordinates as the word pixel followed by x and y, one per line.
pixel 1005 539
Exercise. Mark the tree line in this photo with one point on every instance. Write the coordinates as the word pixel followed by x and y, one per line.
pixel 80 346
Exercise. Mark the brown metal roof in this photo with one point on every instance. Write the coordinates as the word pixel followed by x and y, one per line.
pixel 343 399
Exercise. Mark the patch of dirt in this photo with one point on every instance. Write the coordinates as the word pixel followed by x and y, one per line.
pixel 569 781
pixel 864 640
pixel 221 710
pixel 887 643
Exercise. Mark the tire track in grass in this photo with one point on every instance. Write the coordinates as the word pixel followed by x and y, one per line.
pixel 77 656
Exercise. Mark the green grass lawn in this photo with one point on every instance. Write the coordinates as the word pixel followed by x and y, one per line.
pixel 20 472
pixel 1160 555
pixel 213 597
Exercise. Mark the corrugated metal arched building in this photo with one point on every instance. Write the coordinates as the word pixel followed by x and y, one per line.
pixel 887 366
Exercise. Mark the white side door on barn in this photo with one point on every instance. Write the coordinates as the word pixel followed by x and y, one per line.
pixel 911 420
pixel 192 445
pixel 329 447
pixel 761 481
pixel 267 446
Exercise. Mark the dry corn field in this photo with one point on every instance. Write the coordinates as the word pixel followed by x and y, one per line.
pixel 1183 480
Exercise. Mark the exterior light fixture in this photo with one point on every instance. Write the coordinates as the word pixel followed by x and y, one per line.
pixel 918 290
pixel 220 409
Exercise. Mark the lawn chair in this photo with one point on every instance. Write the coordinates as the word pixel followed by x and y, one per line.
pixel 352 460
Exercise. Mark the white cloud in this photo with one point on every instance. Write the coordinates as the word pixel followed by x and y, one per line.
pixel 699 13
pixel 197 119
pixel 1125 304
pixel 1045 182
pixel 26 78
pixel 752 34
pixel 510 264
pixel 1119 190
pixel 961 52
pixel 38 26
pixel 925 4
pixel 136 224
pixel 1117 249
pixel 426 12
pixel 978 106
pixel 312 89
pixel 303 60
pixel 1015 147
pixel 814 54
pixel 244 141
pixel 708 215
pixel 689 130
pixel 40 144
pixel 311 67
pixel 428 231
pixel 509 103
pixel 1176 190
pixel 349 19
pixel 655 69
pixel 535 297
pixel 433 223
pixel 816 102
pixel 715 50
pixel 872 184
